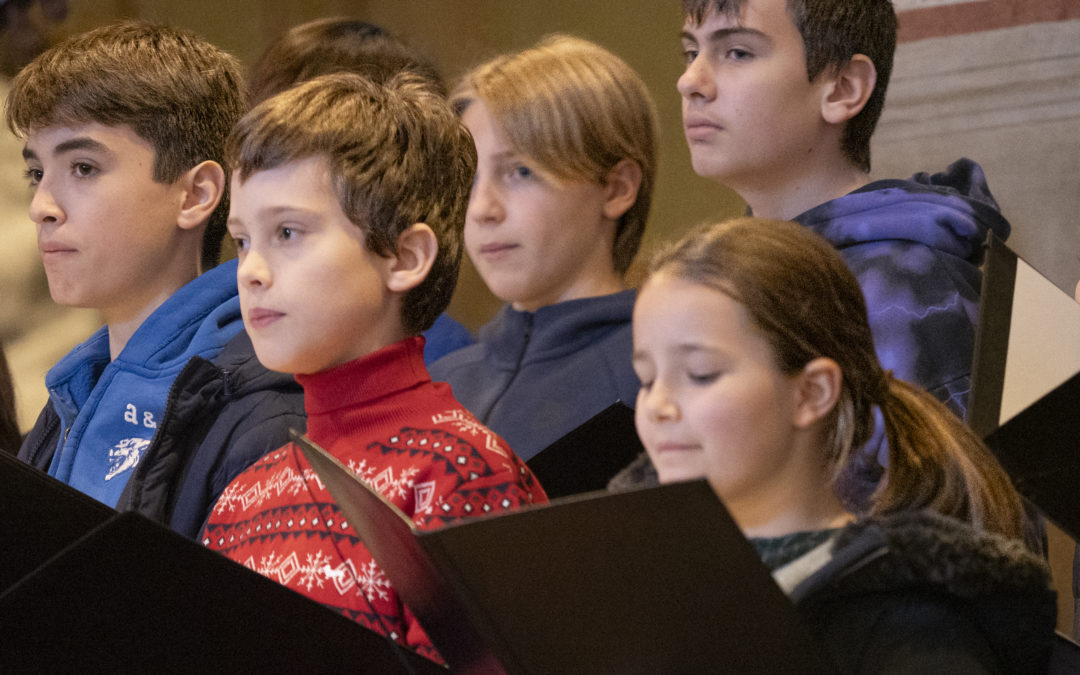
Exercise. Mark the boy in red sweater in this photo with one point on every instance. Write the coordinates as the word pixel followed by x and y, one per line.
pixel 348 205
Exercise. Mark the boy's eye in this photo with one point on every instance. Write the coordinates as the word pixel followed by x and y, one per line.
pixel 82 169
pixel 737 54
pixel 690 55
pixel 286 233
pixel 521 172
pixel 33 176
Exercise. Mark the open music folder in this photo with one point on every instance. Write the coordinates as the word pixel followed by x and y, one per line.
pixel 1025 399
pixel 656 580
pixel 585 459
pixel 84 588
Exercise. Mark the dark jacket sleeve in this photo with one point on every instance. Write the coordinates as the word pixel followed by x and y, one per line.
pixel 220 418
pixel 39 446
pixel 912 633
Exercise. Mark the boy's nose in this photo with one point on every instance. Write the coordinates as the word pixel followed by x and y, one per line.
pixel 44 209
pixel 697 80
pixel 485 204
pixel 252 271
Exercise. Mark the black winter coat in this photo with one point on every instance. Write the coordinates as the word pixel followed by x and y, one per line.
pixel 921 593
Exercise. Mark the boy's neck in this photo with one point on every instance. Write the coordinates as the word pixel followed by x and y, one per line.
pixel 787 199
pixel 123 319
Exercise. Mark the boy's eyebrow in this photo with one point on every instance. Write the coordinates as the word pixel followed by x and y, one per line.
pixel 78 143
pixel 721 34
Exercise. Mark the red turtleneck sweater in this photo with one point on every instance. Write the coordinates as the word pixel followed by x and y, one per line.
pixel 408 438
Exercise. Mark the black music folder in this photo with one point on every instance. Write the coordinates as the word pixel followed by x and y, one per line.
pixel 39 516
pixel 102 591
pixel 1027 341
pixel 652 581
pixel 585 459
pixel 1026 383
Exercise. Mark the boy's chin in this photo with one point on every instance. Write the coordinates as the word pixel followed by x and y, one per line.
pixel 274 362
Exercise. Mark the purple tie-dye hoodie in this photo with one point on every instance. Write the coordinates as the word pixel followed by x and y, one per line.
pixel 915 246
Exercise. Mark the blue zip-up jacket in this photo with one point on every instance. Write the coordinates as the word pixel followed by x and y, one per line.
pixel 535 376
pixel 216 417
pixel 110 409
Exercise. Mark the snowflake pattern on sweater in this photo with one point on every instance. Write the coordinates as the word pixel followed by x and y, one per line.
pixel 278 519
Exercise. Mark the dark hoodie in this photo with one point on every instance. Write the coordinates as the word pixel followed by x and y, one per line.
pixel 916 246
pixel 919 593
pixel 535 376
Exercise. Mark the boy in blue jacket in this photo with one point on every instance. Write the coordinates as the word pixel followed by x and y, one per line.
pixel 780 99
pixel 157 411
pixel 565 134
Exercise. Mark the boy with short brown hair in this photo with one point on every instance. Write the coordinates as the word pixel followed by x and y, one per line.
pixel 566 136
pixel 780 98
pixel 348 204
pixel 125 129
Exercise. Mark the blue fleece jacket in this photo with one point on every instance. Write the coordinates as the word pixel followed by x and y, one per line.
pixel 110 410
pixel 535 376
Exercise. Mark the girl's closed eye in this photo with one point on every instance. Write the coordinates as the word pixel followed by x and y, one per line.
pixel 703 377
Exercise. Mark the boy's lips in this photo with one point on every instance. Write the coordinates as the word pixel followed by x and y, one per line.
pixel 496 250
pixel 698 127
pixel 54 250
pixel 55 247
pixel 261 317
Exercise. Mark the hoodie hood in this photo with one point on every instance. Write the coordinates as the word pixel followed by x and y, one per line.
pixel 951 211
pixel 110 410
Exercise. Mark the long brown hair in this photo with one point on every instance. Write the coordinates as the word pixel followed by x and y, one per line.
pixel 807 304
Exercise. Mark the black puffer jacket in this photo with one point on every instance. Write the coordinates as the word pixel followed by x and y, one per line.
pixel 919 593
pixel 221 416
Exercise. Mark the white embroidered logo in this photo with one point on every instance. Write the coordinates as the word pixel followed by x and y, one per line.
pixel 125 455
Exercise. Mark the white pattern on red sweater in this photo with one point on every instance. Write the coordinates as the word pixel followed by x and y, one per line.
pixel 408 438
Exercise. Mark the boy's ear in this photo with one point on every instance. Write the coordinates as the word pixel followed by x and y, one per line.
pixel 416 250
pixel 621 188
pixel 818 390
pixel 848 89
pixel 204 185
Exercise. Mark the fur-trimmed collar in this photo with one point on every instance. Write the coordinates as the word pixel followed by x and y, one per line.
pixel 919 549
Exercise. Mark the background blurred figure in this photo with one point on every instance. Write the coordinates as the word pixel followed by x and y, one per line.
pixel 335 44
